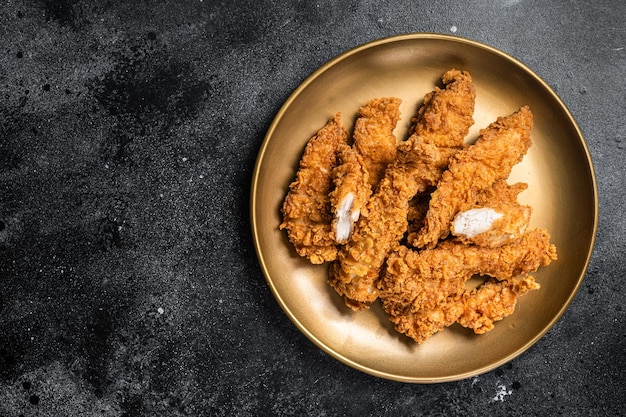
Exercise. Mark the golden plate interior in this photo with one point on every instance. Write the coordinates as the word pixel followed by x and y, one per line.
pixel 558 169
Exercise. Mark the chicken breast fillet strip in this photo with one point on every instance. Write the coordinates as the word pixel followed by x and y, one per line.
pixel 306 209
pixel 421 299
pixel 442 124
pixel 496 217
pixel 477 309
pixel 416 280
pixel 361 166
pixel 350 193
pixel 492 301
pixel 373 136
pixel 475 169
pixel 510 220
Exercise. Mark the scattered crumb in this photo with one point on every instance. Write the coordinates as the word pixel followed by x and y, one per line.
pixel 501 393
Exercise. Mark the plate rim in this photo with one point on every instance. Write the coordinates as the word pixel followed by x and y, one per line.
pixel 417 36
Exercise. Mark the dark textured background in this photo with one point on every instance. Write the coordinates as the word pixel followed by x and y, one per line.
pixel 129 284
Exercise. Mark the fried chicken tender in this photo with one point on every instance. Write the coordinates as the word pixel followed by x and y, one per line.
pixel 373 136
pixel 491 302
pixel 362 165
pixel 306 209
pixel 411 222
pixel 473 170
pixel 424 323
pixel 442 124
pixel 496 217
pixel 493 219
pixel 416 280
pixel 424 291
pixel 477 309
pixel 350 194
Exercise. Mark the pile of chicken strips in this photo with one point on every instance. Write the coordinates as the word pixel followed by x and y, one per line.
pixel 409 222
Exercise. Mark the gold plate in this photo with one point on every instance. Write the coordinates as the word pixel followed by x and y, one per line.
pixel 561 188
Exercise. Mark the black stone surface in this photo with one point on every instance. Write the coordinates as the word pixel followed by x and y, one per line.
pixel 129 284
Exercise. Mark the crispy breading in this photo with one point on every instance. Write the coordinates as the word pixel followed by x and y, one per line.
pixel 446 114
pixel 477 309
pixel 422 324
pixel 443 122
pixel 498 148
pixel 513 220
pixel 350 194
pixel 415 280
pixel 492 301
pixel 306 209
pixel 360 205
pixel 361 166
pixel 373 135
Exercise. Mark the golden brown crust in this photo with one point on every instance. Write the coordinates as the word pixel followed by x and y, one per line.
pixel 413 280
pixel 428 180
pixel 306 209
pixel 499 147
pixel 515 220
pixel 477 309
pixel 373 136
pixel 419 164
pixel 362 165
pixel 351 185
pixel 424 291
pixel 491 302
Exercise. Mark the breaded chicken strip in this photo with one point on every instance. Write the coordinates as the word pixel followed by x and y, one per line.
pixel 422 324
pixel 373 136
pixel 495 218
pixel 306 210
pixel 443 122
pixel 361 167
pixel 498 148
pixel 416 280
pixel 477 309
pixel 424 291
pixel 350 194
pixel 492 301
